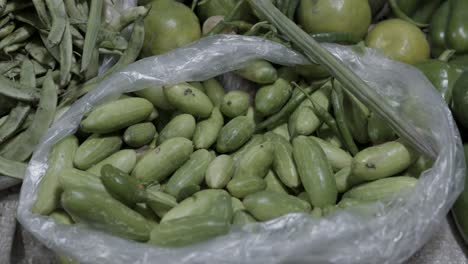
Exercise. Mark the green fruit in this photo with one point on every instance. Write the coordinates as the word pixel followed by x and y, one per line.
pixel 49 190
pixel 169 25
pixel 269 99
pixel 242 186
pixel 399 40
pixel 315 172
pixel 105 213
pixel 116 115
pixel 192 172
pixel 201 203
pixel 182 125
pixel 124 160
pixel 380 189
pixel 215 91
pixel 159 163
pixel 267 205
pixel 256 162
pixel 235 133
pixel 258 71
pixel 381 161
pixel 188 99
pixel 349 16
pixel 235 103
pixel 155 94
pixel 207 130
pixel 121 186
pixel 460 99
pixel 188 230
pixel 219 172
pixel 140 134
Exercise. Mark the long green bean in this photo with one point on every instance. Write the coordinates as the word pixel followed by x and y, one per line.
pixel 12 74
pixel 41 10
pixel 110 51
pixel 17 91
pixel 52 49
pixel 296 99
pixel 28 79
pixel 18 114
pixel 118 43
pixel 127 17
pixel 293 4
pixel 7 29
pixel 59 18
pixel 13 47
pixel 76 33
pixel 66 54
pixel 14 5
pixel 83 7
pixel 92 30
pixel 12 168
pixel 38 68
pixel 30 19
pixel 5 20
pixel 2 5
pixel 21 147
pixel 39 53
pixel 93 67
pixel 19 35
pixel 55 77
pixel 337 102
pixel 129 56
pixel 74 13
pixel 8 65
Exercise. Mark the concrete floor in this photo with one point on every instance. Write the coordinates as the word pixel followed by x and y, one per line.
pixel 445 247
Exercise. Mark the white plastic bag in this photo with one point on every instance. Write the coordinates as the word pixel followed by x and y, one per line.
pixel 390 235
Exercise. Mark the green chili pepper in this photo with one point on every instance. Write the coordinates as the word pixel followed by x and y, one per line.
pixel 59 17
pixel 401 15
pixel 457 27
pixel 22 146
pixel 440 73
pixel 460 99
pixel 424 13
pixel 460 63
pixel 459 209
pixel 92 30
pixel 449 27
pixel 41 10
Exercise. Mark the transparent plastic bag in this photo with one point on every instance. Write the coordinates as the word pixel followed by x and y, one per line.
pixel 387 234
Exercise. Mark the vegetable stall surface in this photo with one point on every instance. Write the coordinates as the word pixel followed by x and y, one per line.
pixel 180 164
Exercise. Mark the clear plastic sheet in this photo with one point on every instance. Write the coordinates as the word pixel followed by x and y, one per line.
pixel 389 234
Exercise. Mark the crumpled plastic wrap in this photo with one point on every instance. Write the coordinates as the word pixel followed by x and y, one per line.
pixel 389 234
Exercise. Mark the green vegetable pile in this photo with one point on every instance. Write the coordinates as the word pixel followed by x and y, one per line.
pixel 50 53
pixel 180 164
pixel 174 177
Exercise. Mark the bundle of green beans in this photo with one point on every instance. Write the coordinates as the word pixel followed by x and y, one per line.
pixel 180 164
pixel 50 52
